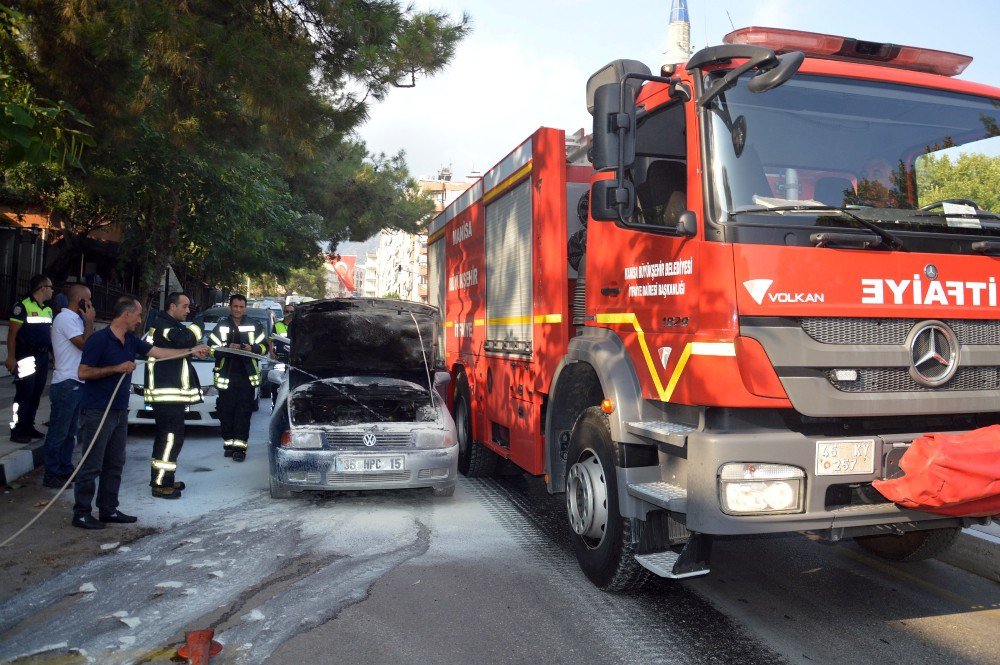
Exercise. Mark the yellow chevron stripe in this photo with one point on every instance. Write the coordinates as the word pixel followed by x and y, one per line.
pixel 690 349
pixel 508 182
pixel 434 237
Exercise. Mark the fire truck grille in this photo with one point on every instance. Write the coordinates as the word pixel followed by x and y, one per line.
pixel 842 330
pixel 898 380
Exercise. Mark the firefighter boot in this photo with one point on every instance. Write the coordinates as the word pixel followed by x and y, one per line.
pixel 166 493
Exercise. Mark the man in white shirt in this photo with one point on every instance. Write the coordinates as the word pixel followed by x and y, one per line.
pixel 70 329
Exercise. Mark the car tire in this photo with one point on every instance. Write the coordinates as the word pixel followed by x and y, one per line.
pixel 910 546
pixel 474 459
pixel 279 491
pixel 444 491
pixel 601 537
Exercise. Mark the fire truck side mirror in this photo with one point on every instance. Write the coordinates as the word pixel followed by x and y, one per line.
pixel 687 224
pixel 788 64
pixel 609 202
pixel 614 127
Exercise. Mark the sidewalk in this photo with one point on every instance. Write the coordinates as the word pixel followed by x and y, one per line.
pixel 17 459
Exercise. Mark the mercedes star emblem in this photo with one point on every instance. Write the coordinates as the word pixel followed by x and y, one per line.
pixel 369 439
pixel 933 353
pixel 931 271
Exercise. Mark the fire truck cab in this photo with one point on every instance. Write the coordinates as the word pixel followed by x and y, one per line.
pixel 737 306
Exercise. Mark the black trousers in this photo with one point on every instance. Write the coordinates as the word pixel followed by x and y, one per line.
pixel 235 407
pixel 167 446
pixel 105 461
pixel 27 394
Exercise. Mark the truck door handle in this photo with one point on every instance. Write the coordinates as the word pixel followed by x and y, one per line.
pixel 610 291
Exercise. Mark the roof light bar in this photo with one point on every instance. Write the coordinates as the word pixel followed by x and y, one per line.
pixel 849 49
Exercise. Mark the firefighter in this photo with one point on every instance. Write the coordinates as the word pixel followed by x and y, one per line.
pixel 29 342
pixel 171 385
pixel 237 377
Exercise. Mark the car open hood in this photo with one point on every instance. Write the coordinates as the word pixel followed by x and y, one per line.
pixel 364 336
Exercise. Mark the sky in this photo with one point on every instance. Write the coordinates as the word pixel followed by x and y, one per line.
pixel 526 64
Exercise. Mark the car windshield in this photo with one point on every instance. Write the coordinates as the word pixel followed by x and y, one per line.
pixel 905 158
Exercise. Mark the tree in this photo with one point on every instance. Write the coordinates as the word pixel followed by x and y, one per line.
pixel 972 176
pixel 33 130
pixel 224 127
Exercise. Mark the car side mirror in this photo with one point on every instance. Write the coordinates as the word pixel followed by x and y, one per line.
pixel 687 224
pixel 441 379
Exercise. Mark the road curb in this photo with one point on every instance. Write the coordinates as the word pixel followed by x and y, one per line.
pixel 17 463
pixel 977 552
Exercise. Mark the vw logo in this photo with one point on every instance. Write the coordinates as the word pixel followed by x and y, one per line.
pixel 369 439
pixel 933 353
pixel 931 271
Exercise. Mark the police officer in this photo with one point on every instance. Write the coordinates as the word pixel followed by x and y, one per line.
pixel 171 385
pixel 237 377
pixel 29 341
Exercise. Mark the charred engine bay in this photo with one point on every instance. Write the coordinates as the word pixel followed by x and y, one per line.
pixel 336 402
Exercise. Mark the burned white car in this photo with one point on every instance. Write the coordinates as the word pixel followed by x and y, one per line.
pixel 361 405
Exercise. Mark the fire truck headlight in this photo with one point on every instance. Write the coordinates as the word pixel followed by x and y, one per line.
pixel 756 489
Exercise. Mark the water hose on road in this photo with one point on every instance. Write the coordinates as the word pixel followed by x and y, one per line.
pixel 93 440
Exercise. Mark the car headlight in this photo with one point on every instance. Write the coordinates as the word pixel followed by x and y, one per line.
pixel 433 438
pixel 311 440
pixel 759 488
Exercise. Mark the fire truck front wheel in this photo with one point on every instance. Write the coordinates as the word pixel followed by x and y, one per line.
pixel 601 536
pixel 474 459
pixel 911 546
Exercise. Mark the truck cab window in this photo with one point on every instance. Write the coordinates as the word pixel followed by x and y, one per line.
pixel 660 169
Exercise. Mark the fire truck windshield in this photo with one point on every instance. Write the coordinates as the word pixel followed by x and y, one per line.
pixel 909 159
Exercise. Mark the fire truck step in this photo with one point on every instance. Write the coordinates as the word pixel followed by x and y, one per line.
pixel 674 434
pixel 664 564
pixel 661 494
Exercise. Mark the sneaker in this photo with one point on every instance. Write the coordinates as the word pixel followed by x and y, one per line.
pixel 118 517
pixel 86 522
pixel 239 455
pixel 55 482
pixel 18 437
pixel 166 493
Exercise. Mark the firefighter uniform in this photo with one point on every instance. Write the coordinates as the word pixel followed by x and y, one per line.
pixel 237 379
pixel 32 348
pixel 170 387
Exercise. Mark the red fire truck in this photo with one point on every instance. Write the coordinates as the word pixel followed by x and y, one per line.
pixel 735 305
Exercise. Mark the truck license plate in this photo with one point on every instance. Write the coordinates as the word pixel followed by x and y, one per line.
pixel 845 457
pixel 370 464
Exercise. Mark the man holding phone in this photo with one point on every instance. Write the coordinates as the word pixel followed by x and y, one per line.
pixel 70 329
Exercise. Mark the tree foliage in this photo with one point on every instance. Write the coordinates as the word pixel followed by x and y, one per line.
pixel 972 176
pixel 224 127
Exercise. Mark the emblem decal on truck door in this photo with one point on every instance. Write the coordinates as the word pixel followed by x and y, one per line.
pixel 757 288
pixel 664 355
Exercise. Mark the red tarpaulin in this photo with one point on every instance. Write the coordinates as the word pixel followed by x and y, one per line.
pixel 949 474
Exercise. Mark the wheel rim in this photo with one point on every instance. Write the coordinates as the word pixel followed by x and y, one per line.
pixel 587 499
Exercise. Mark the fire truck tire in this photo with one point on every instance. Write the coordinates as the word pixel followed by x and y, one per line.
pixel 474 459
pixel 601 536
pixel 911 546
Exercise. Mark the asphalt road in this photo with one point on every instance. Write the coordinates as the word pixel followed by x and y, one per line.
pixel 484 576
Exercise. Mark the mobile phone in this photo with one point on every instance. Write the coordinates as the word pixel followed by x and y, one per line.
pixel 82 304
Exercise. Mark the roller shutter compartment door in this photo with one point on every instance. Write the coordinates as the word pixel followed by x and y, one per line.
pixel 436 292
pixel 508 272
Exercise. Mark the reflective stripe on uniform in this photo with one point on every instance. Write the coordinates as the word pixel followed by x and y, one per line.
pixel 38 319
pixel 246 328
pixel 236 443
pixel 164 466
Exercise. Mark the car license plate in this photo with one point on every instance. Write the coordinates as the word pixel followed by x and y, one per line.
pixel 370 464
pixel 845 457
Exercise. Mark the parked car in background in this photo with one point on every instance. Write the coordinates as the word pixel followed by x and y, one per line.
pixel 360 405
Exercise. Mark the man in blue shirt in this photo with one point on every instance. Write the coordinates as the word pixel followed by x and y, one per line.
pixel 107 355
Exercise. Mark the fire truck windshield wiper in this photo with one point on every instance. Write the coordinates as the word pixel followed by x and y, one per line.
pixel 891 241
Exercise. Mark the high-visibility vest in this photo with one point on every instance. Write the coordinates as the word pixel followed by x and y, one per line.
pixel 35 334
